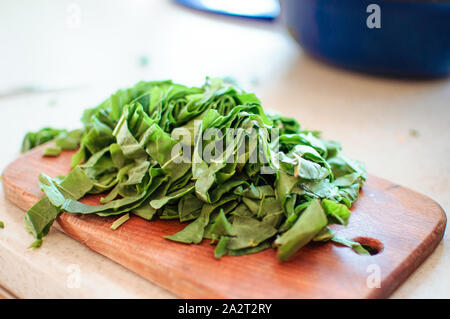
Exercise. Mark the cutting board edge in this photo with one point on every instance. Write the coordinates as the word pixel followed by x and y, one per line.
pixel 422 252
pixel 17 196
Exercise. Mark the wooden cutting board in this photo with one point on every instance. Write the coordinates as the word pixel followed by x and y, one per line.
pixel 403 225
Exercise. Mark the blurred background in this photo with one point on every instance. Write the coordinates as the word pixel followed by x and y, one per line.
pixel 59 57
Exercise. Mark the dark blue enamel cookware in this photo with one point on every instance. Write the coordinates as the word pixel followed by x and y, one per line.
pixel 406 38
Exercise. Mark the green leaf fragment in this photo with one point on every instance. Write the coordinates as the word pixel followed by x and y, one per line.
pixel 33 139
pixel 120 221
pixel 36 244
pixel 192 233
pixel 337 212
pixel 146 212
pixel 307 226
pixel 189 207
pixel 52 151
pixel 250 250
pixel 40 217
pixel 324 235
pixel 221 248
pixel 357 247
pixel 68 140
pixel 221 226
pixel 249 232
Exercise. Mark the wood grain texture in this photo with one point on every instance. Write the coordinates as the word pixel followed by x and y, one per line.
pixel 409 226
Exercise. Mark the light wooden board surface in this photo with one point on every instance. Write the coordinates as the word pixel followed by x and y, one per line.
pixel 404 225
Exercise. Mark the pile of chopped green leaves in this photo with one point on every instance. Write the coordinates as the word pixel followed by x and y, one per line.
pixel 297 186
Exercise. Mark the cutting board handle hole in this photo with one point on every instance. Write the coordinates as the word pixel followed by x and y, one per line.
pixel 372 245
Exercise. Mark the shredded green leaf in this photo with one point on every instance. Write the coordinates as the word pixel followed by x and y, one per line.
pixel 120 221
pixel 307 226
pixel 357 247
pixel 64 140
pixel 2 224
pixel 221 248
pixel 36 244
pixel 211 156
pixel 327 234
pixel 52 151
pixel 33 139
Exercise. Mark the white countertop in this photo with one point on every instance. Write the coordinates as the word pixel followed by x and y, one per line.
pixel 400 129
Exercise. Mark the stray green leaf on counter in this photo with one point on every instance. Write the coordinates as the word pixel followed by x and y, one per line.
pixel 2 224
pixel 279 187
pixel 36 244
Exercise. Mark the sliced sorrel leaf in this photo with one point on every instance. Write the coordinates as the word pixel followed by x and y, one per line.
pixel 239 177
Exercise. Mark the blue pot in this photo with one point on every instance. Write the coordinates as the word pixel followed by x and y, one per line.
pixel 411 38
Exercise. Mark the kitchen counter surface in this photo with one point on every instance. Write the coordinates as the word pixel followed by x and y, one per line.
pixel 400 129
